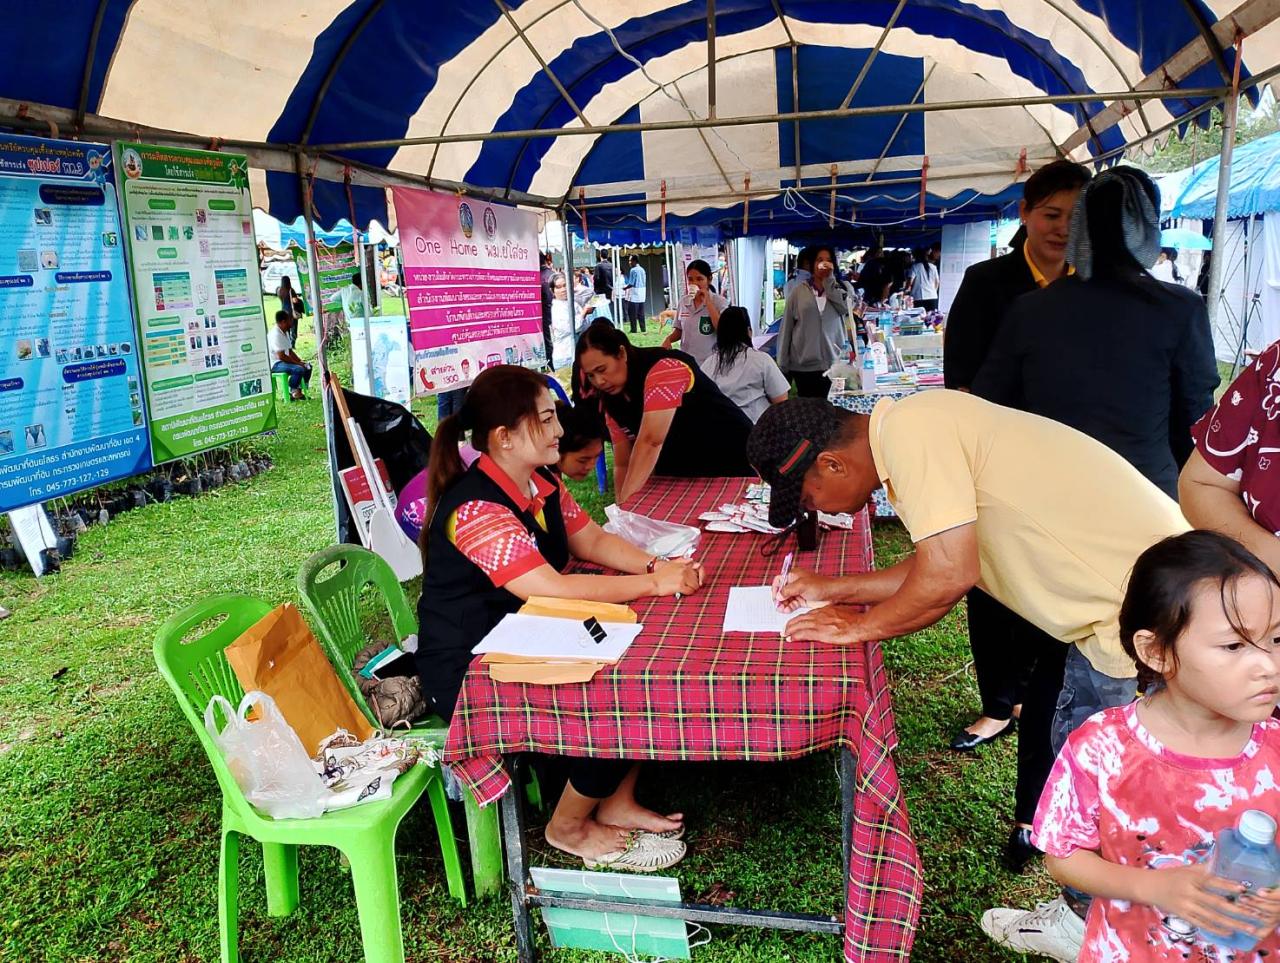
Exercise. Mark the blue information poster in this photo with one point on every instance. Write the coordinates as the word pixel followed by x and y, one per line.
pixel 71 402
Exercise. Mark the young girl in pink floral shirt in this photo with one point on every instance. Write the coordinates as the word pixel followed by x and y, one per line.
pixel 1139 792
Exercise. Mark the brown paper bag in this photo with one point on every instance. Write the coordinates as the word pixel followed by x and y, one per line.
pixel 278 655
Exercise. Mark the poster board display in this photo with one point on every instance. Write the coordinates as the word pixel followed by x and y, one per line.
pixel 471 284
pixel 189 225
pixel 71 401
pixel 963 245
pixel 337 265
pixel 391 359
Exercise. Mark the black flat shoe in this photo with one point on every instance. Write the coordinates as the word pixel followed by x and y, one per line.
pixel 966 741
pixel 1019 850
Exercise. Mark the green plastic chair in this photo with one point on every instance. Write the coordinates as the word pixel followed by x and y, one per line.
pixel 330 584
pixel 189 654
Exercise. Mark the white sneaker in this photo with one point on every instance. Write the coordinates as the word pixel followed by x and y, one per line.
pixel 1051 929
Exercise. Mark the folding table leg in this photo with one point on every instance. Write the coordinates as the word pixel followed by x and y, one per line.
pixel 847 767
pixel 513 842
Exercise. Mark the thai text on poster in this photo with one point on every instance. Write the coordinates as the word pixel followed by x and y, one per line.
pixel 189 225
pixel 471 284
pixel 71 400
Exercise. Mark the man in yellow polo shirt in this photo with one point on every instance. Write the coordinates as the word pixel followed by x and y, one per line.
pixel 1039 516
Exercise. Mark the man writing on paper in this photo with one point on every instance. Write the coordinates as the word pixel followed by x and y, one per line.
pixel 995 498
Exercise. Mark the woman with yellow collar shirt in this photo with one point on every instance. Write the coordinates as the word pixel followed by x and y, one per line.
pixel 503 530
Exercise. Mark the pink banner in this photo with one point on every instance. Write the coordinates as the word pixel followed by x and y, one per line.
pixel 472 286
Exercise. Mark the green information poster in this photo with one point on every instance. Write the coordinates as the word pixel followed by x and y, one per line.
pixel 337 264
pixel 189 224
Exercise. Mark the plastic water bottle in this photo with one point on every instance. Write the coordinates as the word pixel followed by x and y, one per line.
pixel 868 372
pixel 1246 854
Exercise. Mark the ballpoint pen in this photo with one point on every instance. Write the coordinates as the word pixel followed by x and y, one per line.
pixel 782 579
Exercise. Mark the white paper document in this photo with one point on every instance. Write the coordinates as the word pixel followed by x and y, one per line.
pixel 752 609
pixel 545 637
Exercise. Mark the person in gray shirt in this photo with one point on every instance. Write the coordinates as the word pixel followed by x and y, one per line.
pixel 814 331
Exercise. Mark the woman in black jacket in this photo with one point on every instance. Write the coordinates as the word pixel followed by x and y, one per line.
pixel 1005 646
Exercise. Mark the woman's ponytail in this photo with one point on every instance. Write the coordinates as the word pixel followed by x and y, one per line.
pixel 444 468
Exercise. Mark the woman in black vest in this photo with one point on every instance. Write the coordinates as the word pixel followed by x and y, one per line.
pixel 664 416
pixel 503 530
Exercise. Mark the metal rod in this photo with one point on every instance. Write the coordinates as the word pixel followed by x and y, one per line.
pixel 848 772
pixel 570 286
pixel 901 122
pixel 841 113
pixel 711 59
pixel 795 104
pixel 1206 32
pixel 555 81
pixel 517 868
pixel 1229 111
pixel 358 240
pixel 317 311
pixel 693 912
pixel 807 189
pixel 875 51
pixel 337 62
pixel 90 56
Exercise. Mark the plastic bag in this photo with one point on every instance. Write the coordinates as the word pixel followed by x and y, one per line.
pixel 266 758
pixel 654 536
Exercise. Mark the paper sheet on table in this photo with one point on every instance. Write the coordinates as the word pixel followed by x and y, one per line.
pixel 542 637
pixel 752 609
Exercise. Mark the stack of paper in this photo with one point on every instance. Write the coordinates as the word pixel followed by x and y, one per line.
pixel 548 643
pixel 753 609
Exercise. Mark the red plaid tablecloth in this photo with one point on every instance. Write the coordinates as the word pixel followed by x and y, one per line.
pixel 685 691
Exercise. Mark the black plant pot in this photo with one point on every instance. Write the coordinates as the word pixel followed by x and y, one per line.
pixel 217 478
pixel 161 489
pixel 139 498
pixel 9 558
pixel 52 561
pixel 66 545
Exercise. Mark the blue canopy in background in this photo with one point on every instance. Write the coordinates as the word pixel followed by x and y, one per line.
pixel 1255 183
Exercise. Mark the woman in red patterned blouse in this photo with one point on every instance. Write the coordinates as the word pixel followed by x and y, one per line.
pixel 664 415
pixel 1231 483
pixel 503 530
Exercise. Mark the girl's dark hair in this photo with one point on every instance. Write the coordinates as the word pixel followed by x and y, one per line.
pixel 733 337
pixel 500 397
pixel 581 425
pixel 1061 175
pixel 701 266
pixel 1158 597
pixel 605 338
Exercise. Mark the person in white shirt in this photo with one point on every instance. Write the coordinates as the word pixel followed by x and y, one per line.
pixel 635 291
pixel 1166 266
pixel 924 279
pixel 353 301
pixel 284 359
pixel 562 309
pixel 747 377
pixel 698 314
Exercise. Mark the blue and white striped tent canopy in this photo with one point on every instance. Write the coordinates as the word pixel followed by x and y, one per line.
pixel 325 75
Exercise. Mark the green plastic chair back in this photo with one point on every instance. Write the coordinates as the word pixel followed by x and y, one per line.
pixel 331 584
pixel 196 668
pixel 190 655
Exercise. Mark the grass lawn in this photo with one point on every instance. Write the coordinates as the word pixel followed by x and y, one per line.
pixel 109 812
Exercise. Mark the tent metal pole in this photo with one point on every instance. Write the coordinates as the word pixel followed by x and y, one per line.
pixel 569 286
pixel 317 308
pixel 711 59
pixel 364 304
pixel 875 51
pixel 838 113
pixel 555 81
pixel 901 122
pixel 1230 108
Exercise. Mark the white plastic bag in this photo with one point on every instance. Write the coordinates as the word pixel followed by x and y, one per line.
pixel 654 536
pixel 267 759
